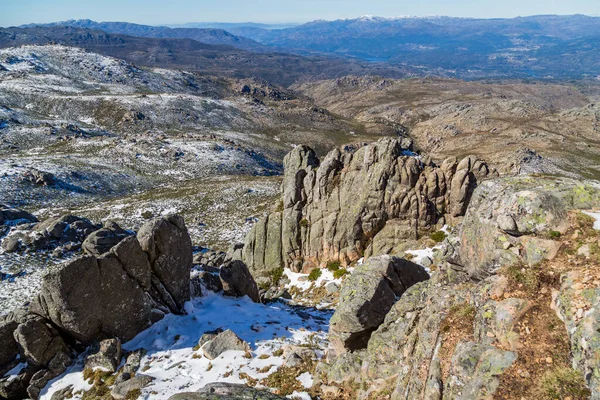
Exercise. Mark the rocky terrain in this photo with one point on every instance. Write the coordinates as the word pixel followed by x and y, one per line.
pixel 520 127
pixel 174 235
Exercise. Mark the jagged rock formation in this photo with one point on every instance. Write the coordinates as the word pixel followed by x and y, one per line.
pixel 358 201
pixel 114 295
pixel 455 336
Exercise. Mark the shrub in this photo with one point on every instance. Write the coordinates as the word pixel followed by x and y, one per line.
pixel 519 275
pixel 304 223
pixel 339 273
pixel 314 274
pixel 333 265
pixel 438 236
pixel 563 382
pixel 554 234
pixel 276 275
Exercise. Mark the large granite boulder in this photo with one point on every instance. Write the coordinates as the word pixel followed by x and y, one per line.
pixel 8 345
pixel 237 281
pixel 335 210
pixel 366 297
pixel 102 240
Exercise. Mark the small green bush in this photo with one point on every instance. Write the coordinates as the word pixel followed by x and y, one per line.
pixel 276 275
pixel 314 274
pixel 554 234
pixel 339 273
pixel 563 382
pixel 333 266
pixel 438 236
pixel 304 223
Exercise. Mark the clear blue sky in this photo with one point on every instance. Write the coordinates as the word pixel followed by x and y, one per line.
pixel 155 12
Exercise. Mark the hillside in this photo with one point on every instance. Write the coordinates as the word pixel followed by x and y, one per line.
pixel 191 55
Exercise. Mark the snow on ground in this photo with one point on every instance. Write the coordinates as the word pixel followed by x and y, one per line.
pixel 596 216
pixel 301 280
pixel 176 367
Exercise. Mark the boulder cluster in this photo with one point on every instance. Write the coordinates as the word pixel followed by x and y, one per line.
pixel 359 201
pixel 62 235
pixel 114 294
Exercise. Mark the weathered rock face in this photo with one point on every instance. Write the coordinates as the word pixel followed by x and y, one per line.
pixel 403 356
pixel 169 248
pixel 357 201
pixel 366 298
pixel 455 335
pixel 8 348
pixel 584 329
pixel 505 212
pixel 237 281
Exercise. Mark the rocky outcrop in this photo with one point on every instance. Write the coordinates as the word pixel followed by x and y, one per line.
pixel 455 335
pixel 404 354
pixel 38 177
pixel 61 234
pixel 113 295
pixel 366 298
pixel 13 216
pixel 357 201
pixel 508 218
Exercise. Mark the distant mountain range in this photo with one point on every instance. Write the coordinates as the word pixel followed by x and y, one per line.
pixel 204 35
pixel 544 46
pixel 192 55
pixel 538 46
pixel 233 25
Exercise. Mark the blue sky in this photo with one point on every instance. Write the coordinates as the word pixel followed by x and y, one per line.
pixel 155 12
